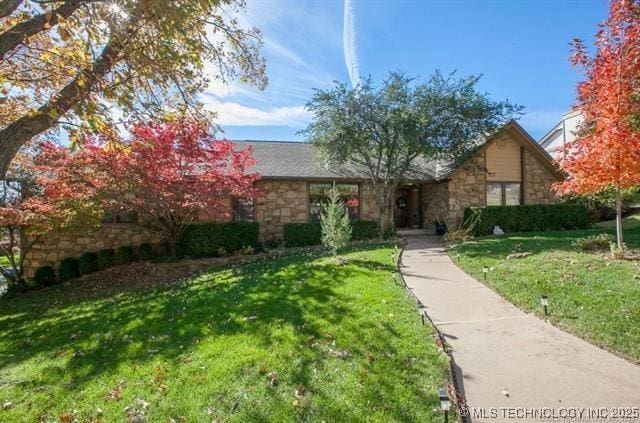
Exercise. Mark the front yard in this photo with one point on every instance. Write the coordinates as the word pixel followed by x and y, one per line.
pixel 299 338
pixel 590 294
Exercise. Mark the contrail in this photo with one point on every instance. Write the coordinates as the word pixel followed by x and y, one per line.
pixel 349 44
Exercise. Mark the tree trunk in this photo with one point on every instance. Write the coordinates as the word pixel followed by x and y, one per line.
pixel 619 219
pixel 385 201
pixel 22 130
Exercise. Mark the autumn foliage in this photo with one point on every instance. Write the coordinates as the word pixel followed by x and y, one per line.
pixel 168 173
pixel 606 153
pixel 32 204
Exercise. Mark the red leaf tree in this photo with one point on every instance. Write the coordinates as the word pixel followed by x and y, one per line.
pixel 32 205
pixel 606 154
pixel 168 173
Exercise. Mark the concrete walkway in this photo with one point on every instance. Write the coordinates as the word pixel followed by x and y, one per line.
pixel 497 347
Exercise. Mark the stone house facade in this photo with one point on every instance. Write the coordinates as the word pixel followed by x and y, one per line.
pixel 510 168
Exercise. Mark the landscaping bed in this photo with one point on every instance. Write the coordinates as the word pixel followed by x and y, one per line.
pixel 590 294
pixel 298 337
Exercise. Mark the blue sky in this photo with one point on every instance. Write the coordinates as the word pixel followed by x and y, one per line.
pixel 521 47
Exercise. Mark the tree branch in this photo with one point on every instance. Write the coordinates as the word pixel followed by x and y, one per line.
pixel 14 36
pixel 7 7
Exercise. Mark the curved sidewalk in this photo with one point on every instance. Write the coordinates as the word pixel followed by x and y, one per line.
pixel 505 357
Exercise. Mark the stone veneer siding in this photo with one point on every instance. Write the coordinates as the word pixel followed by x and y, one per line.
pixel 57 246
pixel 467 188
pixel 537 182
pixel 282 202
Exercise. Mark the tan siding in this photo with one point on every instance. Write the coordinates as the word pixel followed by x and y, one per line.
pixel 503 161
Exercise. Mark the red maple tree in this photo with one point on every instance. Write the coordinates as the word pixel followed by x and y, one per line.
pixel 32 205
pixel 169 173
pixel 606 154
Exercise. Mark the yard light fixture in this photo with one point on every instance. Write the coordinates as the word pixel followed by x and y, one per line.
pixel 445 404
pixel 485 270
pixel 544 302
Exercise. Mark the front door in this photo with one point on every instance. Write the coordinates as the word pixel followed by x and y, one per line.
pixel 407 207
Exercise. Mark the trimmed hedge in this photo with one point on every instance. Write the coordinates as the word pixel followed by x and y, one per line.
pixel 68 268
pixel 105 258
pixel 305 234
pixel 527 218
pixel 210 239
pixel 301 234
pixel 364 229
pixel 87 263
pixel 124 254
pixel 145 251
pixel 44 276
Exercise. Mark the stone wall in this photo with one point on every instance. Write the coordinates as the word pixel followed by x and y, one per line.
pixel 537 181
pixel 435 203
pixel 368 205
pixel 467 188
pixel 282 202
pixel 57 246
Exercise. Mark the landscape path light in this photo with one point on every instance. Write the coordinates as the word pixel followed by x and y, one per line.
pixel 544 302
pixel 445 404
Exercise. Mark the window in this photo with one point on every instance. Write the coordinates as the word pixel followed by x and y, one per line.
pixel 243 210
pixel 504 193
pixel 120 217
pixel 318 195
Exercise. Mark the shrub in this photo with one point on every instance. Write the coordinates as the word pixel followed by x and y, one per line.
pixel 210 239
pixel 44 276
pixel 105 258
pixel 145 251
pixel 68 268
pixel 364 229
pixel 336 227
pixel 540 217
pixel 593 242
pixel 302 234
pixel 124 254
pixel 87 263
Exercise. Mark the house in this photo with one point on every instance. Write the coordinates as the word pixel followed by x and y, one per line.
pixel 563 133
pixel 507 169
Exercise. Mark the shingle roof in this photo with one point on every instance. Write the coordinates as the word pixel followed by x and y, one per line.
pixel 291 159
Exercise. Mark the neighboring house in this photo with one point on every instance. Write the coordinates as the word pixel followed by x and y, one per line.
pixel 563 133
pixel 509 168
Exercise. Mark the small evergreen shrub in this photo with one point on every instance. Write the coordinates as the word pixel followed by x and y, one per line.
pixel 334 220
pixel 593 242
pixel 124 254
pixel 105 258
pixel 68 268
pixel 145 251
pixel 211 239
pixel 364 229
pixel 302 234
pixel 44 276
pixel 87 263
pixel 528 218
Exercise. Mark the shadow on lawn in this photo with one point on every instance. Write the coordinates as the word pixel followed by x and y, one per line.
pixel 167 322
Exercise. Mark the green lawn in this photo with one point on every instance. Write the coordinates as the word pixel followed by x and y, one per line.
pixel 590 294
pixel 300 338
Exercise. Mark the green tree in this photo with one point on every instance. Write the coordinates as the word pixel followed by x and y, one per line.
pixel 334 219
pixel 382 132
pixel 81 63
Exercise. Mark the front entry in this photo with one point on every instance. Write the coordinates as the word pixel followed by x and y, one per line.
pixel 407 207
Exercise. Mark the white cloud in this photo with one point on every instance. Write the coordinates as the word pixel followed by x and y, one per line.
pixel 234 114
pixel 349 36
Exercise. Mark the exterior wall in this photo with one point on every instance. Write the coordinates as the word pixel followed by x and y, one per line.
pixel 368 206
pixel 503 160
pixel 467 188
pixel 435 203
pixel 283 202
pixel 537 182
pixel 57 246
